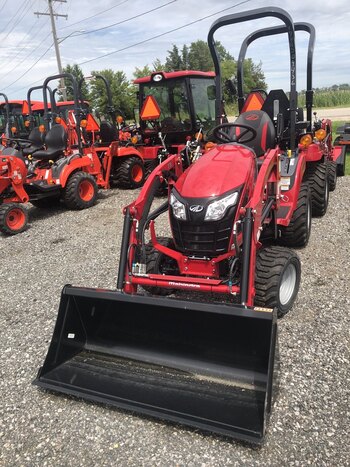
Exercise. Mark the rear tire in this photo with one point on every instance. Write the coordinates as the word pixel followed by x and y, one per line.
pixel 317 177
pixel 158 263
pixel 277 278
pixel 297 233
pixel 80 191
pixel 150 165
pixel 13 219
pixel 131 172
pixel 332 175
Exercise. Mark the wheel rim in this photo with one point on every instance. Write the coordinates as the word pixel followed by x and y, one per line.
pixel 86 190
pixel 287 285
pixel 15 219
pixel 137 173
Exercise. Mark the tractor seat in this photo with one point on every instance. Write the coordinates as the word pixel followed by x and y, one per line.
pixel 36 139
pixel 56 143
pixel 108 132
pixel 262 124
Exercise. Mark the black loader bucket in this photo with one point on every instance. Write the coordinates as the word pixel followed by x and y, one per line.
pixel 207 365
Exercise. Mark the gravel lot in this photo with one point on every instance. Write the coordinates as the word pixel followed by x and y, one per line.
pixel 310 419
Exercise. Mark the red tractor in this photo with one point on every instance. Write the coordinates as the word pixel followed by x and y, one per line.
pixel 323 159
pixel 200 362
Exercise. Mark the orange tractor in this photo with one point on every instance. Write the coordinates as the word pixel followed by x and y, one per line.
pixel 58 170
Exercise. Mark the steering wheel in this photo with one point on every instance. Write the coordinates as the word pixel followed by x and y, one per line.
pixel 223 136
pixel 20 142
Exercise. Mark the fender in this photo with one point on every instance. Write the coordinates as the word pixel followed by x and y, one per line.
pixel 80 163
pixel 14 174
pixel 124 151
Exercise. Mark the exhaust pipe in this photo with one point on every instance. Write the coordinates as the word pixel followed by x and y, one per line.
pixel 209 366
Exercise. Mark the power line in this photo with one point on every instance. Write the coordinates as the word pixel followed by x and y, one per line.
pixel 26 57
pixel 30 32
pixel 41 56
pixel 162 34
pixel 16 23
pixel 126 20
pixel 132 45
pixel 94 16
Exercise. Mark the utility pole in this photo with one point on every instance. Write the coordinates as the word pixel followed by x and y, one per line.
pixel 55 40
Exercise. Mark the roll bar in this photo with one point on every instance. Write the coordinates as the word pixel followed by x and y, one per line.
pixel 299 26
pixel 77 108
pixel 250 16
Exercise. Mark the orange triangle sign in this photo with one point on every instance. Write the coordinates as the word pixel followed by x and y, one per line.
pixel 254 102
pixel 150 109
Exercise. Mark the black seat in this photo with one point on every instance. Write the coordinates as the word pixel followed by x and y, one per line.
pixel 262 124
pixel 275 103
pixel 56 143
pixel 36 139
pixel 108 132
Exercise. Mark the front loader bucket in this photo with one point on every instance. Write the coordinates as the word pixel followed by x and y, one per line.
pixel 207 365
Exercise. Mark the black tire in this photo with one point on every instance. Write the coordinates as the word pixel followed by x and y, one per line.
pixel 150 165
pixel 297 233
pixel 46 203
pixel 277 278
pixel 317 177
pixel 80 191
pixel 332 175
pixel 158 263
pixel 341 167
pixel 13 218
pixel 131 172
pixel 337 140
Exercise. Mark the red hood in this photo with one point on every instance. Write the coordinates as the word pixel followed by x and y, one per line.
pixel 220 170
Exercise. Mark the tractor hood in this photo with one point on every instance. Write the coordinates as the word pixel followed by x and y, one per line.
pixel 220 170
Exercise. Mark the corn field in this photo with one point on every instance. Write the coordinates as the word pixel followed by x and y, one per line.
pixel 327 98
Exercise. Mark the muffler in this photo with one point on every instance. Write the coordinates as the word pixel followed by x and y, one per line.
pixel 206 365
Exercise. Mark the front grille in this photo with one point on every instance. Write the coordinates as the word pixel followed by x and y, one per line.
pixel 205 238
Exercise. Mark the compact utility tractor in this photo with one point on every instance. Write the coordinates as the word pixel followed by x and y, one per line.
pixel 201 362
pixel 175 110
pixel 323 159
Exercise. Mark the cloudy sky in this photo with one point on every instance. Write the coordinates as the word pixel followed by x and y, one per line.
pixel 124 34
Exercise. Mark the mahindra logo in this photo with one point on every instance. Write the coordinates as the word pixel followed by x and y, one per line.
pixel 196 208
pixel 252 117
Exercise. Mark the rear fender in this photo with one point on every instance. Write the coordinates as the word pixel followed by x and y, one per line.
pixel 289 198
pixel 84 163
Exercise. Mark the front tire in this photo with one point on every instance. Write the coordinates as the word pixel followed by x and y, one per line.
pixel 13 219
pixel 80 191
pixel 158 263
pixel 277 278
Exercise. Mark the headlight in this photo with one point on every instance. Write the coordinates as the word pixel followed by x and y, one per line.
pixel 179 210
pixel 217 209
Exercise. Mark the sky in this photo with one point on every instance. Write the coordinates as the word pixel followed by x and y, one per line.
pixel 124 34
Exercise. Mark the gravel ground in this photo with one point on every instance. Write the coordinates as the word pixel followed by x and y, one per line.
pixel 310 419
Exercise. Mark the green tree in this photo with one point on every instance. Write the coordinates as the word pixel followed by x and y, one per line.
pixel 141 72
pixel 123 93
pixel 77 72
pixel 199 56
pixel 173 61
